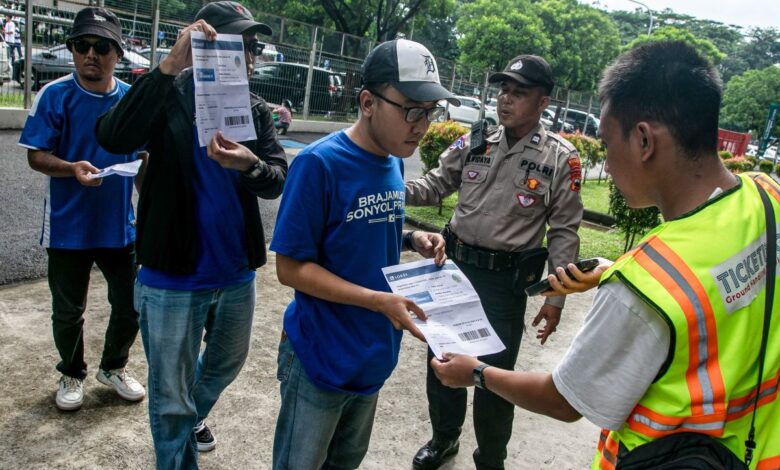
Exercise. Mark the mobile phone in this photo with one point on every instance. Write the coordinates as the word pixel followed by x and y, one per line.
pixel 584 265
pixel 478 142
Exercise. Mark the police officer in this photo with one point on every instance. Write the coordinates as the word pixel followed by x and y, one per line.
pixel 522 181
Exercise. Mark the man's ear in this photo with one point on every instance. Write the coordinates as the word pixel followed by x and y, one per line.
pixel 366 100
pixel 647 140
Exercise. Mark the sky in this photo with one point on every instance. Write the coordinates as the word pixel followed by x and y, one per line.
pixel 745 13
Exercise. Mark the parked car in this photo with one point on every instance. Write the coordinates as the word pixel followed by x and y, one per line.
pixel 770 153
pixel 5 66
pixel 547 119
pixel 278 81
pixel 468 111
pixel 581 121
pixel 161 53
pixel 51 64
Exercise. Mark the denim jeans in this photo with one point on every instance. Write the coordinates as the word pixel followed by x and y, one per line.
pixel 183 385
pixel 316 428
pixel 69 272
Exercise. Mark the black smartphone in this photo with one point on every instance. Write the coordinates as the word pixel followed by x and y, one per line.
pixel 478 143
pixel 584 265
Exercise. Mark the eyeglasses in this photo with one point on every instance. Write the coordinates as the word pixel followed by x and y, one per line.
pixel 254 47
pixel 82 46
pixel 416 113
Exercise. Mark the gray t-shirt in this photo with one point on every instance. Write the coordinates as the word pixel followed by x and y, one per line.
pixel 614 358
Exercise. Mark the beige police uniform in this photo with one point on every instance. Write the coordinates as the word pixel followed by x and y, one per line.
pixel 508 196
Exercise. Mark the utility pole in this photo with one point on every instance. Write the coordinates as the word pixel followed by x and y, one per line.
pixel 649 12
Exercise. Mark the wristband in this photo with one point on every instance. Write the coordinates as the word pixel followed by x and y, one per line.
pixel 407 241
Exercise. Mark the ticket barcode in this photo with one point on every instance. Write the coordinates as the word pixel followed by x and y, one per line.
pixel 475 334
pixel 236 120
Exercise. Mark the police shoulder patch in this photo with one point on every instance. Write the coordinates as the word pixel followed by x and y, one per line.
pixel 460 143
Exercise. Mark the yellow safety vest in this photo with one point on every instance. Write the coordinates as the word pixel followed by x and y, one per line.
pixel 705 274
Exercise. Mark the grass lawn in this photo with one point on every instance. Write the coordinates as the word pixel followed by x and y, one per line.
pixel 12 100
pixel 592 242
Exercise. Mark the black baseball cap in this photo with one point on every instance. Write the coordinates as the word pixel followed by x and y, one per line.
pixel 530 70
pixel 409 67
pixel 231 18
pixel 97 21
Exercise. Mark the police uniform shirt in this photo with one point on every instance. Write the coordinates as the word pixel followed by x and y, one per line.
pixel 508 196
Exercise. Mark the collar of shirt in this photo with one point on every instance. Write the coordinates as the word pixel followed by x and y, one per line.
pixel 534 139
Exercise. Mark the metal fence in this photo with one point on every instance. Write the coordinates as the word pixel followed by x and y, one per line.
pixel 317 69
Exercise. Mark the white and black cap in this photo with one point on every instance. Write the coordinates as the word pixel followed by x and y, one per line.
pixel 409 67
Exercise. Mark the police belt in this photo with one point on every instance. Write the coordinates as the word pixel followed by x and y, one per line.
pixel 479 257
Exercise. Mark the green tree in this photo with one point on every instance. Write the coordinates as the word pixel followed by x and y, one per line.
pixel 670 33
pixel 491 32
pixel 583 41
pixel 747 97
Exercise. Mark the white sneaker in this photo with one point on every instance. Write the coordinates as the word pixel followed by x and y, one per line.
pixel 70 394
pixel 125 385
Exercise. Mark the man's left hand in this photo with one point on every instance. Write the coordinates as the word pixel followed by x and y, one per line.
pixel 429 245
pixel 551 316
pixel 455 370
pixel 229 154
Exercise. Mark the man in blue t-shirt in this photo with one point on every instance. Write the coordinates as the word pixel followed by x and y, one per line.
pixel 200 236
pixel 86 220
pixel 340 222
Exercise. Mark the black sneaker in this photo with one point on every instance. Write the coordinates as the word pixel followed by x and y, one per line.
pixel 206 440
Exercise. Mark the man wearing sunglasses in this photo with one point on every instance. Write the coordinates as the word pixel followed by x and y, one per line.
pixel 200 236
pixel 86 221
pixel 340 222
pixel 510 191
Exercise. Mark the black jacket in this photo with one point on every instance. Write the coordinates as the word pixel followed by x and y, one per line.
pixel 159 111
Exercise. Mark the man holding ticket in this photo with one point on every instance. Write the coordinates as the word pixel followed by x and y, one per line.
pixel 339 224
pixel 86 220
pixel 200 237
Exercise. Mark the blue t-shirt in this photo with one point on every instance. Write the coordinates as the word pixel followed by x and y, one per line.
pixel 62 121
pixel 342 208
pixel 222 255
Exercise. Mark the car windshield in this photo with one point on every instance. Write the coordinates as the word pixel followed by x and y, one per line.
pixel 136 59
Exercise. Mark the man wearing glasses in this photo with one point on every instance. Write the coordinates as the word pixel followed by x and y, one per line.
pixel 200 237
pixel 340 222
pixel 86 221
pixel 510 191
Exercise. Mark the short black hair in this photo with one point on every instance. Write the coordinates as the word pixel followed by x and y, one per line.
pixel 670 83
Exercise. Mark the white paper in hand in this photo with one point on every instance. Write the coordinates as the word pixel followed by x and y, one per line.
pixel 456 321
pixel 121 169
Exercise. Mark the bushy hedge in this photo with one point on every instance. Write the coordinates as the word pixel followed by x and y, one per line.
pixel 777 169
pixel 440 135
pixel 725 154
pixel 765 166
pixel 738 164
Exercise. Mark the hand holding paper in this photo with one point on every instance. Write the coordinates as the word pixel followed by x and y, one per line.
pixel 121 169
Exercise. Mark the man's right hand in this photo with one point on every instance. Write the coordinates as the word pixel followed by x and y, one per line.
pixel 180 56
pixel 82 170
pixel 396 308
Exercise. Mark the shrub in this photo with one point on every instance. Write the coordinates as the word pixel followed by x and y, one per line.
pixel 440 135
pixel 592 151
pixel 738 164
pixel 765 166
pixel 725 154
pixel 630 222
pixel 752 160
pixel 777 169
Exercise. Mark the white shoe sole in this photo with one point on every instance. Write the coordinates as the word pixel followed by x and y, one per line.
pixel 207 447
pixel 65 406
pixel 102 379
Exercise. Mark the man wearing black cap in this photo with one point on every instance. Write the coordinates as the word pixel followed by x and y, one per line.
pixel 524 180
pixel 339 224
pixel 86 221
pixel 200 237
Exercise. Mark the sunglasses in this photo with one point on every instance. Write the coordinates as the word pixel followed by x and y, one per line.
pixel 82 46
pixel 414 114
pixel 254 47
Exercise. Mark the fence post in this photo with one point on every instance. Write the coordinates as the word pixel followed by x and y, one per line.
pixel 29 30
pixel 281 32
pixel 484 96
pixel 590 103
pixel 155 31
pixel 310 75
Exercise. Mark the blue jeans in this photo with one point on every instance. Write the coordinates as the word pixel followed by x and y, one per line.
pixel 183 385
pixel 316 428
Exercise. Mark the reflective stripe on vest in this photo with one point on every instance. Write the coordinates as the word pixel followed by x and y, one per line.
pixel 705 383
pixel 608 448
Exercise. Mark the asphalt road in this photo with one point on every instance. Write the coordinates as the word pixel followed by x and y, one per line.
pixel 22 191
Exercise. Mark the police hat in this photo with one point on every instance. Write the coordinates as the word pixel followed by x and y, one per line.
pixel 529 70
